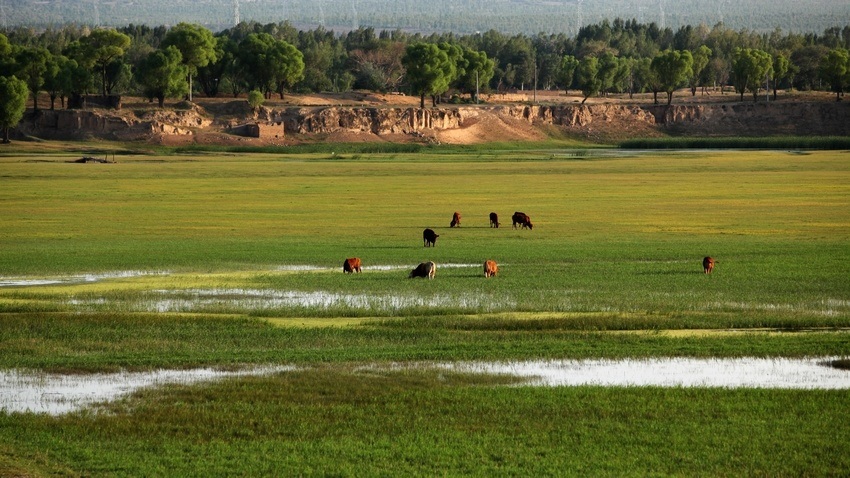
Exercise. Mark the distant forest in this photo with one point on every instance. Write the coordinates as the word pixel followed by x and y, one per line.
pixel 432 16
pixel 607 57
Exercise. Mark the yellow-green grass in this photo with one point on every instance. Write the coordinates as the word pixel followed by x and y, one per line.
pixel 613 234
pixel 221 212
pixel 617 243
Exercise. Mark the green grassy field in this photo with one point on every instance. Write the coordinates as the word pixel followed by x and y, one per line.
pixel 227 259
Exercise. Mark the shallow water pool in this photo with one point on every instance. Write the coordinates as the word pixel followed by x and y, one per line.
pixel 57 394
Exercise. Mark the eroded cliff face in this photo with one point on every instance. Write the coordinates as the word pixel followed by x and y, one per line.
pixel 704 120
pixel 80 124
pixel 577 115
pixel 380 121
pixel 410 120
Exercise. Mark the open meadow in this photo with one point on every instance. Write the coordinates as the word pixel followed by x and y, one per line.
pixel 231 260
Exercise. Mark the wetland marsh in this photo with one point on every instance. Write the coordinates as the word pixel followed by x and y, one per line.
pixel 234 262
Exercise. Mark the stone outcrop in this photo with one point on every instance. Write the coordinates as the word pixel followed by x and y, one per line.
pixel 378 121
pixel 577 115
pixel 81 124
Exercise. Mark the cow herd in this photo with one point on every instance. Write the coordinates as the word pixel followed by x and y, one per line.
pixel 429 238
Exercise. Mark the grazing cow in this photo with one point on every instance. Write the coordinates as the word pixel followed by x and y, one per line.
pixel 430 237
pixel 490 268
pixel 455 220
pixel 351 265
pixel 522 219
pixel 708 264
pixel 494 220
pixel 425 269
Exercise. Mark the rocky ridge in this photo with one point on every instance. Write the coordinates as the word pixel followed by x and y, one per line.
pixel 499 122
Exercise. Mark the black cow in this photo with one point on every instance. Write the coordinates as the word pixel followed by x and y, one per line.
pixel 521 219
pixel 430 237
pixel 425 269
pixel 494 220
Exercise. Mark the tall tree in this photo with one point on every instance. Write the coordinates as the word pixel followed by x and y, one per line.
pixel 718 71
pixel 427 67
pixel 74 80
pixel 456 66
pixel 607 73
pixel 835 70
pixel 672 67
pixel 587 77
pixel 289 63
pixel 322 56
pixel 646 79
pixel 750 69
pixel 271 64
pixel 234 77
pixel 163 74
pixel 52 80
pixel 196 44
pixel 32 66
pixel 210 76
pixel 13 103
pixel 781 71
pixel 624 80
pixel 566 72
pixel 98 50
pixel 806 60
pixel 119 76
pixel 6 59
pixel 476 74
pixel 519 55
pixel 701 56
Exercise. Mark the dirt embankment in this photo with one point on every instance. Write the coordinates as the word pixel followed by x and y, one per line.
pixel 228 122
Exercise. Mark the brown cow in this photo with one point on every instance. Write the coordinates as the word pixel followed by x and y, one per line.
pixel 424 269
pixel 708 264
pixel 455 220
pixel 430 237
pixel 522 219
pixel 494 220
pixel 351 265
pixel 490 268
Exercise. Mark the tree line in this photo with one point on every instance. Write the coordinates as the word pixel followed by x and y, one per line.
pixel 71 62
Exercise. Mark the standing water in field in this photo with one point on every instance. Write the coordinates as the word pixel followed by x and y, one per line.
pixel 75 279
pixel 748 372
pixel 57 394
